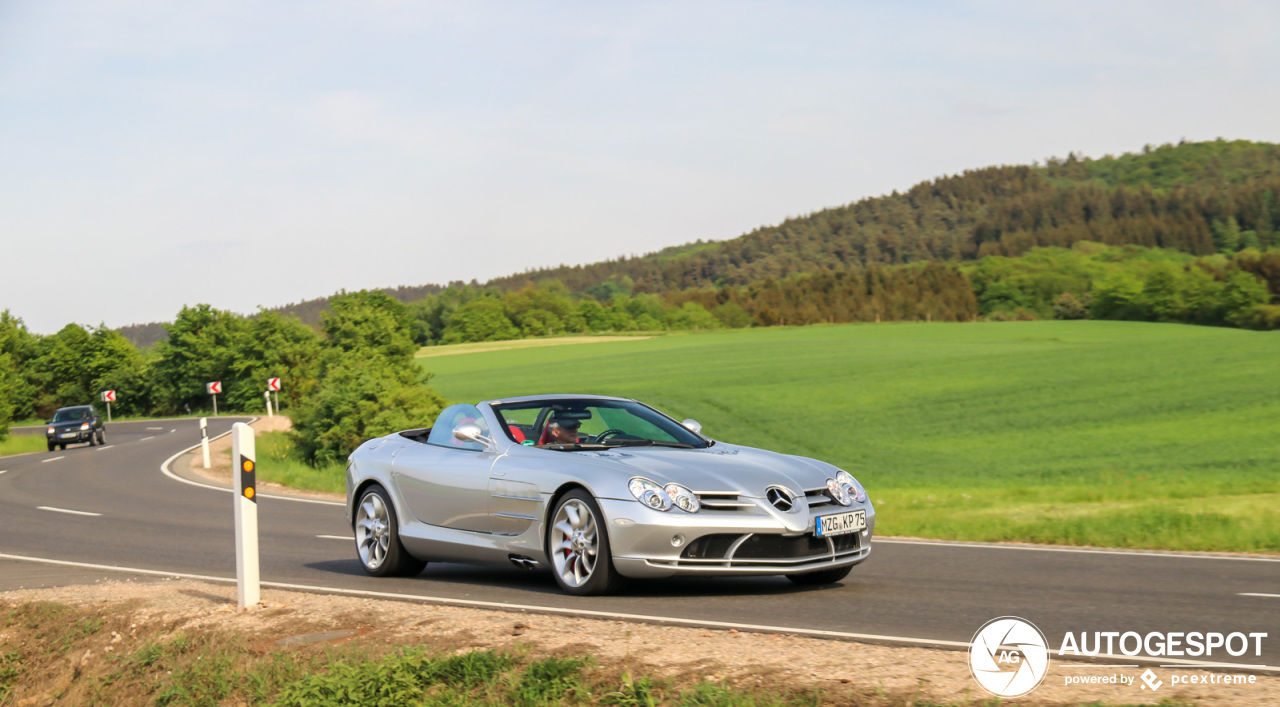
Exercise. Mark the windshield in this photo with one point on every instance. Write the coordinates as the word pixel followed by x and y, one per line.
pixel 71 414
pixel 579 424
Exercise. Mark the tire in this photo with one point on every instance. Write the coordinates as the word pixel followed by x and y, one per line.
pixel 92 442
pixel 377 532
pixel 62 446
pixel 102 438
pixel 831 576
pixel 52 446
pixel 570 545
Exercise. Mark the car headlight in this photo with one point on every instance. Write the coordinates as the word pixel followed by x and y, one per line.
pixel 49 431
pixel 683 498
pixel 839 493
pixel 85 426
pixel 851 486
pixel 649 493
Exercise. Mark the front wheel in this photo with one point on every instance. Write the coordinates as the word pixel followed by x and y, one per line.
pixel 378 537
pixel 52 446
pixel 578 545
pixel 102 438
pixel 62 447
pixel 831 576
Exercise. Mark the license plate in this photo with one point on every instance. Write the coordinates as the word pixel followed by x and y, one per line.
pixel 840 524
pixel 69 435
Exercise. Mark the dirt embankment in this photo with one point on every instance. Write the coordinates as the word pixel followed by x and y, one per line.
pixel 136 615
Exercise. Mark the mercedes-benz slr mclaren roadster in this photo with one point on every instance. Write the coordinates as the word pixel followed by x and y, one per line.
pixel 596 489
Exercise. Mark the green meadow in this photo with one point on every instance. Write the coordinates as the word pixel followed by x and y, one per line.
pixel 1114 434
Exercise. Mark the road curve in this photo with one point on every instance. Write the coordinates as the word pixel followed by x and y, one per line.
pixel 112 506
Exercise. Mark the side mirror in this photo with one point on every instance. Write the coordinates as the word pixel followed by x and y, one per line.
pixel 693 426
pixel 469 432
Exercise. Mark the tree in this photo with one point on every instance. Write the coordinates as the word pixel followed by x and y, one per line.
pixel 368 384
pixel 203 345
pixel 1226 235
pixel 275 346
pixel 480 320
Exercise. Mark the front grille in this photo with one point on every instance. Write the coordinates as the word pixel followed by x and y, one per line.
pixel 764 546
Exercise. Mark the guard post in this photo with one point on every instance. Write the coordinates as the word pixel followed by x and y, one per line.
pixel 266 395
pixel 204 440
pixel 248 590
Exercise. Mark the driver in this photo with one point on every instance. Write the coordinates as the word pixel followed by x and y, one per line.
pixel 564 430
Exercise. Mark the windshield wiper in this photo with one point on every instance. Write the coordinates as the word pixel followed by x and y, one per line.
pixel 651 443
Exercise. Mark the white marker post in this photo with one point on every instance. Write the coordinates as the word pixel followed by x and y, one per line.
pixel 266 395
pixel 248 589
pixel 204 440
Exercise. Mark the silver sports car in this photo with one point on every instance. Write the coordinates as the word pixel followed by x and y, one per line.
pixel 598 488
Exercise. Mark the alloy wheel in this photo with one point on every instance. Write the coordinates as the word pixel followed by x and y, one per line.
pixel 373 531
pixel 576 543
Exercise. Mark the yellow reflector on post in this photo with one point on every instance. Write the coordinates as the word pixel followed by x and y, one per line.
pixel 248 493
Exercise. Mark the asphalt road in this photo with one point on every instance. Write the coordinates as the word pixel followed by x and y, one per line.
pixel 113 506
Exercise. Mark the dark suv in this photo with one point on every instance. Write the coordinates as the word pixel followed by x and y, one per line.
pixel 75 424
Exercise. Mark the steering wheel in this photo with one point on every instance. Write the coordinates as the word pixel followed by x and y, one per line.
pixel 611 431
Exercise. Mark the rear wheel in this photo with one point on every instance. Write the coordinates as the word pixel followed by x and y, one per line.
pixel 378 537
pixel 831 576
pixel 578 545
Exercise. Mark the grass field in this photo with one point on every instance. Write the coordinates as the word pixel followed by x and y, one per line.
pixel 1099 433
pixel 21 444
pixel 457 349
pixel 280 462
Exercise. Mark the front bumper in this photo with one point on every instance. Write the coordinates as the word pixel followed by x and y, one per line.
pixel 723 543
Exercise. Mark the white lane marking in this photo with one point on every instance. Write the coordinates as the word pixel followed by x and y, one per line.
pixel 147 438
pixel 609 615
pixel 155 428
pixel 1130 553
pixel 51 459
pixel 66 510
pixel 1243 594
pixel 173 430
pixel 164 469
pixel 4 471
pixel 109 446
pixel 328 537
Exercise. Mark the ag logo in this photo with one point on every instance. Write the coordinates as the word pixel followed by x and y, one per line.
pixel 1008 656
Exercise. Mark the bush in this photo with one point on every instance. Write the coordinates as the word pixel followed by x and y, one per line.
pixel 1068 306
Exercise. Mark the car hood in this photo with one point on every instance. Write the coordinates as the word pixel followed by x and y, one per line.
pixel 746 471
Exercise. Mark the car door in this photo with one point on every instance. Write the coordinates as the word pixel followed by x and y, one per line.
pixel 444 481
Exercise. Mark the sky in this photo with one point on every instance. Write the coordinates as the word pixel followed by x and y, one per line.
pixel 156 154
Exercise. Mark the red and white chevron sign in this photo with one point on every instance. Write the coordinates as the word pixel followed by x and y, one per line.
pixel 109 396
pixel 213 388
pixel 273 384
